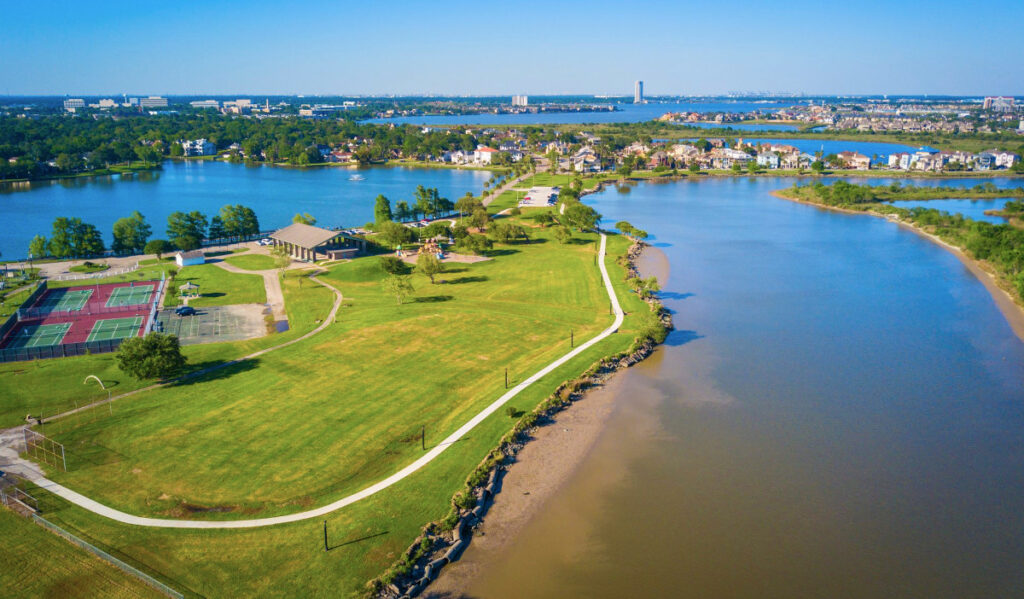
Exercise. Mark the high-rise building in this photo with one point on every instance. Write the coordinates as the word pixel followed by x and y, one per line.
pixel 999 103
pixel 153 102
pixel 72 103
pixel 520 100
pixel 638 92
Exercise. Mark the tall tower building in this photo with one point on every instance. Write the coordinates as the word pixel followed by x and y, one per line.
pixel 638 92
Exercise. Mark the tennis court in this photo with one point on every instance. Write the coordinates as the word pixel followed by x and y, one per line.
pixel 39 335
pixel 130 296
pixel 64 300
pixel 115 328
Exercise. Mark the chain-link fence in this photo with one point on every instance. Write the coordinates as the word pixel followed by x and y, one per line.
pixel 146 578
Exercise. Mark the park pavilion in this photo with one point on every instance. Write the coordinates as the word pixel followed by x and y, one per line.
pixel 306 242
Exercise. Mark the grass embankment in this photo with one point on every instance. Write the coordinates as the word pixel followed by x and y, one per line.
pixel 49 387
pixel 217 287
pixel 251 261
pixel 331 414
pixel 998 248
pixel 38 563
pixel 89 267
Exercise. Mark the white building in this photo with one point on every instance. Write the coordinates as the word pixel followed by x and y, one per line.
pixel 73 103
pixel 205 104
pixel 198 147
pixel 153 102
pixel 638 92
pixel 520 100
pixel 484 155
pixel 999 103
pixel 190 258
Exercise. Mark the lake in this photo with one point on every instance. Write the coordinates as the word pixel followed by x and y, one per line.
pixel 275 193
pixel 626 113
pixel 838 414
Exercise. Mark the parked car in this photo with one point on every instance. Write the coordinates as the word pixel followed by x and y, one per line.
pixel 185 311
pixel 264 241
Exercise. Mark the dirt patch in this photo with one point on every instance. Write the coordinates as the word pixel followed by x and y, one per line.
pixel 192 508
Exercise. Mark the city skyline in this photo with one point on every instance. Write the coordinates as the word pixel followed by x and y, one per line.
pixel 258 48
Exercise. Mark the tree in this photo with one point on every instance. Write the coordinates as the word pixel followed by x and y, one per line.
pixel 186 230
pixel 467 204
pixel 382 210
pixel 69 163
pixel 282 259
pixel 562 234
pixel 644 287
pixel 158 247
pixel 402 211
pixel 60 245
pixel 398 286
pixel 818 166
pixel 480 218
pixel 71 237
pixel 582 217
pixel 154 356
pixel 37 247
pixel 239 221
pixel 429 265
pixel 130 234
pixel 475 244
pixel 304 218
pixel 693 167
pixel 624 227
pixel 506 232
pixel 395 234
pixel 216 230
pixel 394 265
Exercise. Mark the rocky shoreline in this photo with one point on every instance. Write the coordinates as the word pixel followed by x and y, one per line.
pixel 443 542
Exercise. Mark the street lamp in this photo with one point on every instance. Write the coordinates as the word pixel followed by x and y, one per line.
pixel 102 386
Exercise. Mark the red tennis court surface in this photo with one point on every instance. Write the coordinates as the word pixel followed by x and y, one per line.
pixel 50 309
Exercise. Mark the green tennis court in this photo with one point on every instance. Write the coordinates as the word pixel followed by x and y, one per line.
pixel 115 328
pixel 130 296
pixel 40 335
pixel 67 301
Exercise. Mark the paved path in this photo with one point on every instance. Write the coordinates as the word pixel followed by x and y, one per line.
pixel 271 282
pixel 99 508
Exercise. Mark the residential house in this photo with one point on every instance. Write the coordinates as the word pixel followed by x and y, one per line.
pixel 768 160
pixel 855 160
pixel 198 147
pixel 484 155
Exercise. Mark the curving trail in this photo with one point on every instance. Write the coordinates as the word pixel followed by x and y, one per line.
pixel 98 508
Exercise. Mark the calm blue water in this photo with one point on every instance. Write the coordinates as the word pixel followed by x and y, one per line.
pixel 627 113
pixel 974 209
pixel 744 126
pixel 838 414
pixel 275 193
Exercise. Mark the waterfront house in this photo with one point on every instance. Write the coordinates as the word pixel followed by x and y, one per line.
pixel 198 147
pixel 855 160
pixel 484 155
pixel 768 160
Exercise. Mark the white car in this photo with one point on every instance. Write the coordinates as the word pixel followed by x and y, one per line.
pixel 265 241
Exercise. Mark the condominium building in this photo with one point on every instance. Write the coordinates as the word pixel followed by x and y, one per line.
pixel 638 92
pixel 72 103
pixel 520 100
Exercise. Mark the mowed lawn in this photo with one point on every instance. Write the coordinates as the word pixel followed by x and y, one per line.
pixel 217 287
pixel 332 414
pixel 38 563
pixel 365 538
pixel 52 386
pixel 251 261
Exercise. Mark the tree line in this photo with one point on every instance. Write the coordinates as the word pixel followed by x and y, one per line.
pixel 72 238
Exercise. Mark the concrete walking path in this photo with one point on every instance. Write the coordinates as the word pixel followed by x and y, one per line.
pixel 108 512
pixel 271 283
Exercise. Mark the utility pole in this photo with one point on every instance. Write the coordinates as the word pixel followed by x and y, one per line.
pixel 572 341
pixel 423 437
pixel 325 536
pixel 506 377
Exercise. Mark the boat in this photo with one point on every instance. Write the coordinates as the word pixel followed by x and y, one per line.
pixel 357 178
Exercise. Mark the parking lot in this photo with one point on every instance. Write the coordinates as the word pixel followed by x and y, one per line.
pixel 217 323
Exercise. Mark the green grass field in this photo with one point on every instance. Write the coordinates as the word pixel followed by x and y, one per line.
pixel 217 287
pixel 38 563
pixel 251 261
pixel 333 413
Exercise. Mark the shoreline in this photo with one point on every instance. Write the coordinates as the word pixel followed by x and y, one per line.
pixel 550 456
pixel 1011 310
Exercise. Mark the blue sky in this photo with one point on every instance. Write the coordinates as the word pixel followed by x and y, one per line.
pixel 454 47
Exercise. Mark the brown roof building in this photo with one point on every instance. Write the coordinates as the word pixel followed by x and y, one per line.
pixel 306 242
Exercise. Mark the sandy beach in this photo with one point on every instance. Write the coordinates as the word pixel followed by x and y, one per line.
pixel 553 453
pixel 1008 306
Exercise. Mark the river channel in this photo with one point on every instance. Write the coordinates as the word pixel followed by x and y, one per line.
pixel 838 414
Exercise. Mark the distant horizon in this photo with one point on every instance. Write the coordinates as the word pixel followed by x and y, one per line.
pixel 602 96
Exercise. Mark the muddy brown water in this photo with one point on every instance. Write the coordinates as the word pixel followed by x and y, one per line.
pixel 838 414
